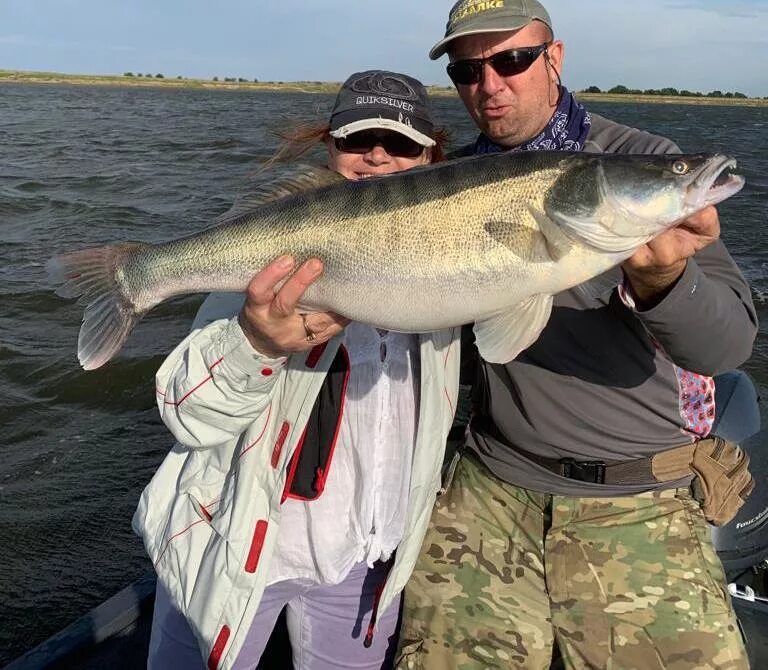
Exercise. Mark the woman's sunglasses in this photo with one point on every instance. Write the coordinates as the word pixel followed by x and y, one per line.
pixel 505 63
pixel 392 142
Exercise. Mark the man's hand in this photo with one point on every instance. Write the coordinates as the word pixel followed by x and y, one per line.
pixel 655 267
pixel 269 317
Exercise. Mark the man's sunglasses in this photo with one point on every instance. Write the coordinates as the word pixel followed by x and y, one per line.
pixel 394 143
pixel 505 63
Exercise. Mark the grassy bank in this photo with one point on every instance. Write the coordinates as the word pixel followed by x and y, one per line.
pixel 671 99
pixel 19 77
pixel 16 76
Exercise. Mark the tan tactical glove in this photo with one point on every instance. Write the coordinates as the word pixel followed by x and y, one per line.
pixel 723 482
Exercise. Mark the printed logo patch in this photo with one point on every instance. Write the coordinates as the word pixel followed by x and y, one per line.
pixel 471 7
pixel 377 101
pixel 386 86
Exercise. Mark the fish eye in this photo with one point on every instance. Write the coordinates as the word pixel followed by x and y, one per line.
pixel 680 167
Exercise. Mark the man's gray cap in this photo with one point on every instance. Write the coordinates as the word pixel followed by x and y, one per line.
pixel 469 17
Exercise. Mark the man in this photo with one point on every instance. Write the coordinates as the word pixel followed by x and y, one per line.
pixel 570 517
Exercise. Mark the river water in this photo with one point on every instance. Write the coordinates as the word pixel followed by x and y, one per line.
pixel 82 166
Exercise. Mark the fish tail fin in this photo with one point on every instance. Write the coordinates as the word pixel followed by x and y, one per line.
pixel 109 315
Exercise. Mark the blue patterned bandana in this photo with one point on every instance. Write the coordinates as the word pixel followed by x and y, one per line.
pixel 567 130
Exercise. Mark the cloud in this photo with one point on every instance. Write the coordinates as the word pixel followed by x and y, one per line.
pixel 685 44
pixel 743 9
pixel 16 40
pixel 29 42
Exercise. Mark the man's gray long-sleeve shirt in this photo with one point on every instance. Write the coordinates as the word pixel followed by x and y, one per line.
pixel 606 382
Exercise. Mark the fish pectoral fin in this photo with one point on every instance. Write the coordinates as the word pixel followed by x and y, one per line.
pixel 503 336
pixel 543 243
pixel 556 242
pixel 524 241
pixel 285 183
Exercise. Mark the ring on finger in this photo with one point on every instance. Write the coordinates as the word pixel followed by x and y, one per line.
pixel 311 334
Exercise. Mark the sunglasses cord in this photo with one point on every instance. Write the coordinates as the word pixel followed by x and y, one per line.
pixel 550 64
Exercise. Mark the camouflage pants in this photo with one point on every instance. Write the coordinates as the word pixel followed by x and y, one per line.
pixel 620 583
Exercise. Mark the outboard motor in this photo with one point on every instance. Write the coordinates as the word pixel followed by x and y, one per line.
pixel 742 544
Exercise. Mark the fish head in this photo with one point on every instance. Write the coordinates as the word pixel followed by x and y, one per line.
pixel 618 202
pixel 665 189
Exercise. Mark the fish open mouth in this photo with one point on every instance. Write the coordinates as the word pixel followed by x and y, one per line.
pixel 717 182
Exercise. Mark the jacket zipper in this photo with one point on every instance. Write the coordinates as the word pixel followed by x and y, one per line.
pixel 321 473
pixel 294 465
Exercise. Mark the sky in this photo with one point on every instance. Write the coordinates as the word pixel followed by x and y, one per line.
pixel 700 45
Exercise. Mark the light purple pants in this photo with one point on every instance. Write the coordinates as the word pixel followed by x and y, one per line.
pixel 326 626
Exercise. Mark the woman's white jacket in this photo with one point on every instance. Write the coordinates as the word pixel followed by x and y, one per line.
pixel 210 516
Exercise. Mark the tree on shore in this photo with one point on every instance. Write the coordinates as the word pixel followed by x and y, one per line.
pixel 667 91
pixel 128 74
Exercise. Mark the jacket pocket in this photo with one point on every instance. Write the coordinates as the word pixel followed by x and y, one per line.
pixel 204 506
pixel 187 533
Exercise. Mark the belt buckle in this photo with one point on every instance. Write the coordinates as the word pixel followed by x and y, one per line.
pixel 583 471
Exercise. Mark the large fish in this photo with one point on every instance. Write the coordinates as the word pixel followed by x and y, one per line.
pixel 487 239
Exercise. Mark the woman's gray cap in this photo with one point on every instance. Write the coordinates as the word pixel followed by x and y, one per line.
pixel 469 17
pixel 386 100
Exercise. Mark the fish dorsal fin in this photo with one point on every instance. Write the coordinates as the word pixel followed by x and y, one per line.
pixel 557 243
pixel 288 182
pixel 503 336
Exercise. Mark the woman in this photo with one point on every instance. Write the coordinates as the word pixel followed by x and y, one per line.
pixel 310 447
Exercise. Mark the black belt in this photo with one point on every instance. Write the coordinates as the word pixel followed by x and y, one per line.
pixel 637 471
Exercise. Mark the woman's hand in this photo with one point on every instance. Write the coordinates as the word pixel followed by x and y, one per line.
pixel 269 317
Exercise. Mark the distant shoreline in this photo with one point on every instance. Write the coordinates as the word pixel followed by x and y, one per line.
pixel 22 77
pixel 19 77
